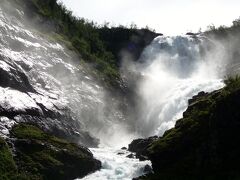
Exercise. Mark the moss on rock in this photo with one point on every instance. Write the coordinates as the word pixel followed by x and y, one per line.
pixel 204 144
pixel 42 156
pixel 7 165
pixel 8 168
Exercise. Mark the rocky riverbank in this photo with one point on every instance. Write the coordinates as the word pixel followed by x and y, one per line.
pixel 204 143
pixel 31 153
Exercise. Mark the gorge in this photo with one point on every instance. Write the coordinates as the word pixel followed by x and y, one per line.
pixel 56 100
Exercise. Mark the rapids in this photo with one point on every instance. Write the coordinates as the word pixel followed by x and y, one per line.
pixel 48 84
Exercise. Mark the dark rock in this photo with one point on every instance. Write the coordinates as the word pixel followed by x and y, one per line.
pixel 159 34
pixel 42 156
pixel 123 148
pixel 129 42
pixel 120 153
pixel 141 157
pixel 140 145
pixel 194 98
pixel 60 122
pixel 204 143
pixel 131 156
pixel 192 34
pixel 147 169
pixel 12 76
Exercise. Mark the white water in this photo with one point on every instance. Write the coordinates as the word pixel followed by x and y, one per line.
pixel 61 82
pixel 116 167
pixel 172 71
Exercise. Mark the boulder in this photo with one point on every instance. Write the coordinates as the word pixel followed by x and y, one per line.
pixel 139 146
pixel 42 156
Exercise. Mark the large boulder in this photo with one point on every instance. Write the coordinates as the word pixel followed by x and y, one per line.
pixel 39 155
pixel 139 146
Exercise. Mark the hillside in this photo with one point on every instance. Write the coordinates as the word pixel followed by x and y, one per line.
pixel 54 69
pixel 61 90
pixel 203 144
pixel 100 47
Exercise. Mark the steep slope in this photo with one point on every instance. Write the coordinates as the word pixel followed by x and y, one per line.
pixel 96 45
pixel 47 89
pixel 33 70
pixel 204 143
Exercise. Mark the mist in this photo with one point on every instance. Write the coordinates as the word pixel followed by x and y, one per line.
pixel 62 82
pixel 171 71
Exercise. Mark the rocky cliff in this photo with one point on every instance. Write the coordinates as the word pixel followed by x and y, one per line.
pixel 204 143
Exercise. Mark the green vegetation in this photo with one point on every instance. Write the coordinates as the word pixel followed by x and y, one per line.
pixel 97 45
pixel 7 165
pixel 120 40
pixel 39 155
pixel 8 168
pixel 223 31
pixel 78 33
pixel 204 143
pixel 42 156
pixel 232 83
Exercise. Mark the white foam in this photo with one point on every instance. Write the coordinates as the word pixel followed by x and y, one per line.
pixel 116 167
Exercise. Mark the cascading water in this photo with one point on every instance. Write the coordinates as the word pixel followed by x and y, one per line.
pixel 170 71
pixel 52 79
pixel 46 83
pixel 43 82
pixel 173 69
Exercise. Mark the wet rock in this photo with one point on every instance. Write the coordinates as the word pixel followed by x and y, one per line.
pixel 203 143
pixel 42 156
pixel 120 153
pixel 192 34
pixel 140 145
pixel 131 156
pixel 123 148
pixel 12 76
pixel 194 98
pixel 127 42
pixel 147 169
pixel 141 157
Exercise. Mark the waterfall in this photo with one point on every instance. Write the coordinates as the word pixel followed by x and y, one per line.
pixel 170 71
pixel 43 82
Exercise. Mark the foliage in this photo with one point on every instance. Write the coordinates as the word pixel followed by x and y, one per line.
pixel 7 165
pixel 8 168
pixel 97 45
pixel 232 83
pixel 77 33
pixel 42 156
pixel 120 40
pixel 204 143
pixel 224 31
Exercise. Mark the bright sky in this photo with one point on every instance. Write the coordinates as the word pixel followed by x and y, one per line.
pixel 169 17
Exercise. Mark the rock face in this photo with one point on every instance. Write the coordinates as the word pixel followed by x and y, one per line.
pixel 33 83
pixel 123 42
pixel 41 156
pixel 203 144
pixel 139 146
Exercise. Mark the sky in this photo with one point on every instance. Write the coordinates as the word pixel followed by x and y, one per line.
pixel 170 17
